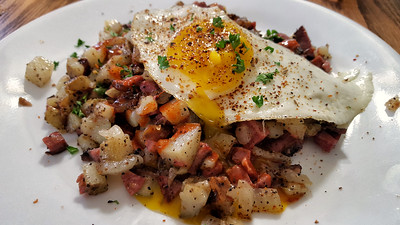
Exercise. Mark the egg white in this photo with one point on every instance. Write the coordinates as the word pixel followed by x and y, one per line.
pixel 299 90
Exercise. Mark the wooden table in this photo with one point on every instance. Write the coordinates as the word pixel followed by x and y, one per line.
pixel 381 17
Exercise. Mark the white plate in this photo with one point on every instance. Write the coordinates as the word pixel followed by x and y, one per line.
pixel 366 163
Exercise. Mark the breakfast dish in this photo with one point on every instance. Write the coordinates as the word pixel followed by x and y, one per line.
pixel 196 104
pixel 49 194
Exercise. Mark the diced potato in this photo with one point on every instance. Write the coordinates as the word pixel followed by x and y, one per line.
pixel 95 183
pixel 146 105
pixel 88 107
pixel 74 67
pixel 112 93
pixel 275 128
pixel 105 110
pixel 148 187
pixel 175 111
pixel 272 156
pixel 112 26
pixel 39 71
pixel 243 195
pixel 221 143
pixel 92 125
pixel 134 119
pixel 61 82
pixel 312 129
pixel 193 198
pixel 95 56
pixel 54 117
pixel 294 189
pixel 86 143
pixel 117 145
pixel 267 200
pixel 211 220
pixel 81 83
pixel 182 147
pixel 296 127
pixel 291 176
pixel 109 167
pixel 73 122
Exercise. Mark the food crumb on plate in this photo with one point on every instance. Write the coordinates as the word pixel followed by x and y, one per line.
pixel 36 201
pixel 316 221
pixel 393 104
pixel 340 188
pixel 23 102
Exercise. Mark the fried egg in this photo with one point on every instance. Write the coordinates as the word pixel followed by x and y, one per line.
pixel 227 74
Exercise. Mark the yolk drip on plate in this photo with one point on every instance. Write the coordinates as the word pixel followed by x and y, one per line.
pixel 210 57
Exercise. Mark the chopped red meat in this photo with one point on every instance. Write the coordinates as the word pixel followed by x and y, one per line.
pixel 264 180
pixel 218 199
pixel 127 83
pixel 304 41
pixel 242 156
pixel 133 183
pixel 326 66
pixel 169 191
pixel 55 142
pixel 81 183
pixel 149 87
pixel 291 44
pixel 214 171
pixel 202 153
pixel 286 144
pixel 236 173
pixel 327 140
pixel 95 154
pixel 250 133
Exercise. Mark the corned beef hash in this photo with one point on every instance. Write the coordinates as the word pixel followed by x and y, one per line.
pixel 200 113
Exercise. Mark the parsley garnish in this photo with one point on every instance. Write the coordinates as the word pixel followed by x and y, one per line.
pixel 113 201
pixel 79 43
pixel 244 46
pixel 234 39
pixel 198 29
pixel 125 71
pixel 212 32
pixel 269 48
pixel 239 66
pixel 259 100
pixel 77 108
pixel 149 39
pixel 100 90
pixel 172 28
pixel 74 55
pixel 112 33
pixel 221 44
pixel 273 36
pixel 191 18
pixel 72 149
pixel 56 63
pixel 217 22
pixel 265 77
pixel 277 63
pixel 163 62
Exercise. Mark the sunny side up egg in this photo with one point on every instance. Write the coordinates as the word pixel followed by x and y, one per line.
pixel 200 56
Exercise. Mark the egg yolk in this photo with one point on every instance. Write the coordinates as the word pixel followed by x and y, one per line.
pixel 215 59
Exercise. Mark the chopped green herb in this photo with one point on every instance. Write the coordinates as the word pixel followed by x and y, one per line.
pixel 212 32
pixel 163 62
pixel 99 63
pixel 217 22
pixel 234 39
pixel 239 66
pixel 149 39
pixel 125 71
pixel 244 46
pixel 78 105
pixel 113 201
pixel 172 28
pixel 72 149
pixel 269 48
pixel 259 100
pixel 112 33
pixel 198 29
pixel 80 43
pixel 100 90
pixel 87 46
pixel 273 36
pixel 277 63
pixel 265 77
pixel 191 18
pixel 221 44
pixel 56 63
pixel 74 55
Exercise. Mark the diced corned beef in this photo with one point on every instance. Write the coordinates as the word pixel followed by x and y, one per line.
pixel 318 61
pixel 243 22
pixel 81 183
pixel 286 144
pixel 202 153
pixel 159 119
pixel 137 68
pixel 283 36
pixel 326 66
pixel 95 154
pixel 126 100
pixel 242 156
pixel 250 133
pixel 218 199
pixel 149 87
pixel 302 38
pixel 133 183
pixel 169 191
pixel 327 139
pixel 204 5
pixel 127 83
pixel 236 173
pixel 214 171
pixel 85 63
pixel 291 44
pixel 264 180
pixel 55 142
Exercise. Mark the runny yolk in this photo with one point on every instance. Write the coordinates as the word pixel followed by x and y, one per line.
pixel 194 53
